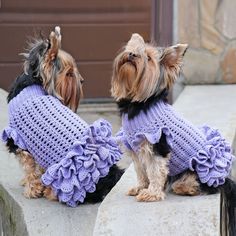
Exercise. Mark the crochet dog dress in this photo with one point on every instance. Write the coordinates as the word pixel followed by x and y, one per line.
pixel 199 149
pixel 73 154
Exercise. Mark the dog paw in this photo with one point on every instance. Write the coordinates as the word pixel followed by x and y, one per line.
pixel 33 190
pixel 146 195
pixel 183 189
pixel 49 194
pixel 134 191
pixel 23 182
pixel 33 194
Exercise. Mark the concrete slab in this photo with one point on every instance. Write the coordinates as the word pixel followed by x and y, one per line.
pixel 122 215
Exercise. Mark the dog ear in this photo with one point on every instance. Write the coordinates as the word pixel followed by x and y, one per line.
pixel 171 60
pixel 173 56
pixel 69 89
pixel 54 44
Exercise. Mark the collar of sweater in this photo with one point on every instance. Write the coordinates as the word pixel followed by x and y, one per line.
pixel 160 110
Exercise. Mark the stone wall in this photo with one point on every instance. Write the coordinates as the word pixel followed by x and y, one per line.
pixel 209 27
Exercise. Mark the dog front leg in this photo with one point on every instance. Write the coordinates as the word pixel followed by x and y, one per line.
pixel 33 187
pixel 141 176
pixel 157 172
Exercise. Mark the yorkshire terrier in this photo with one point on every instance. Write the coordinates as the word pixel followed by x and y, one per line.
pixel 166 148
pixel 52 74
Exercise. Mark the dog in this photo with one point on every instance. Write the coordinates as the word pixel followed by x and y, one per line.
pixel 51 87
pixel 165 148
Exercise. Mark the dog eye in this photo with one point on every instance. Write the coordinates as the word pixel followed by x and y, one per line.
pixel 70 74
pixel 149 58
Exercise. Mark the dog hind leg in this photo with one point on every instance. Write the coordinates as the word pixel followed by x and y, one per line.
pixel 187 184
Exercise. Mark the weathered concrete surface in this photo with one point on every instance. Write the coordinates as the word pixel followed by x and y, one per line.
pixel 123 215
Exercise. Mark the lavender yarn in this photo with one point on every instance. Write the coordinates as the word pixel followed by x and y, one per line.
pixel 74 154
pixel 203 149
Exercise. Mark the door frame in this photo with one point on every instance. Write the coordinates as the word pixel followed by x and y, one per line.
pixel 162 22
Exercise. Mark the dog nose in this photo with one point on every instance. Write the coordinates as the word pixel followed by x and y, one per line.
pixel 131 56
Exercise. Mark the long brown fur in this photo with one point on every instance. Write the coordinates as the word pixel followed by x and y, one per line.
pixel 137 78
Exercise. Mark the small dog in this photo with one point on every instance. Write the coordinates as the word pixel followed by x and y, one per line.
pixel 51 86
pixel 161 142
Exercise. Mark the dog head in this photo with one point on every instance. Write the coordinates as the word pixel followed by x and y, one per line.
pixel 142 70
pixel 55 69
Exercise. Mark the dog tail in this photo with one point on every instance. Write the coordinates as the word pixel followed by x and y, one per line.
pixel 105 184
pixel 228 192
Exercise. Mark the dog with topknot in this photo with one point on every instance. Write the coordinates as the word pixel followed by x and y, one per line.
pixel 165 147
pixel 63 157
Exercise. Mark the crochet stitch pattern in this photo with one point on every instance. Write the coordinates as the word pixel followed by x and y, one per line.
pixel 75 155
pixel 201 149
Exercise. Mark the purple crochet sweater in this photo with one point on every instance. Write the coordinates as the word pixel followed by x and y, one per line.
pixel 73 154
pixel 200 149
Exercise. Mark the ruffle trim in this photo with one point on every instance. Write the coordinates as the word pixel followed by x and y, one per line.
pixel 86 162
pixel 213 164
pixel 134 142
pixel 10 132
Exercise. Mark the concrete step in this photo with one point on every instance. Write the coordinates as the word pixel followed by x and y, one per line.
pixel 97 107
pixel 120 215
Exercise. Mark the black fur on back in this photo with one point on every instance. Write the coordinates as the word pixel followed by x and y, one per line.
pixel 31 75
pixel 22 82
pixel 105 185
